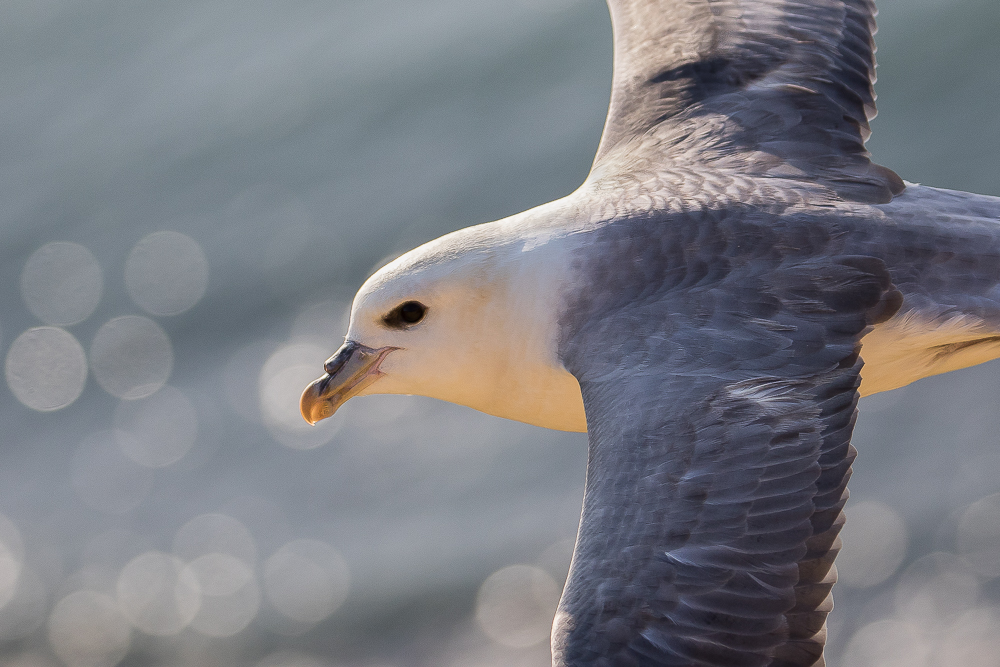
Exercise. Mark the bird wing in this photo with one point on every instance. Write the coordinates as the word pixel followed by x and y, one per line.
pixel 720 384
pixel 763 87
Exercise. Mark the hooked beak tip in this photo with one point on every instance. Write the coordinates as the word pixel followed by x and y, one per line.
pixel 354 367
pixel 314 403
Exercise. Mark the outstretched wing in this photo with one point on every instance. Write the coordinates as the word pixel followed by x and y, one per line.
pixel 720 397
pixel 764 87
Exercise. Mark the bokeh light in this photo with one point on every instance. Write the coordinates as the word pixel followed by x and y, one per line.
pixel 515 605
pixel 131 357
pixel 11 559
pixel 215 533
pixel 61 283
pixel 887 643
pixel 107 480
pixel 158 430
pixel 166 273
pixel 86 629
pixel 230 596
pixel 971 641
pixel 306 580
pixel 875 542
pixel 938 620
pixel 158 594
pixel 26 611
pixel 46 368
pixel 935 589
pixel 979 536
pixel 285 374
pixel 220 574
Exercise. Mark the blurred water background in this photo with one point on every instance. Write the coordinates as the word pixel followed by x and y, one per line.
pixel 191 193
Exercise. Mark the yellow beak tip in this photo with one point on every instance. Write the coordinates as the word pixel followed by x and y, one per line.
pixel 348 372
pixel 312 405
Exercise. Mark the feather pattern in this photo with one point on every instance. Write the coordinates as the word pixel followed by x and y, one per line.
pixel 720 383
pixel 775 88
pixel 717 349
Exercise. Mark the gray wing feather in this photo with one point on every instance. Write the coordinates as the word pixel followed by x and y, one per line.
pixel 720 395
pixel 942 248
pixel 763 87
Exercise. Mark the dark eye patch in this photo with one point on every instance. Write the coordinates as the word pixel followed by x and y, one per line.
pixel 405 314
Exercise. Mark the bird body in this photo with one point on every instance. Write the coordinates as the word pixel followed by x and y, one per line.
pixel 523 271
pixel 709 306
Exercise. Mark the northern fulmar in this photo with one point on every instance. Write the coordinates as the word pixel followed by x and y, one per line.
pixel 700 306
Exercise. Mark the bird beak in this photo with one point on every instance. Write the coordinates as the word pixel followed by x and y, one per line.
pixel 352 368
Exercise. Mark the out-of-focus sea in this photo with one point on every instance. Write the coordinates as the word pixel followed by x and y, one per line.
pixel 190 194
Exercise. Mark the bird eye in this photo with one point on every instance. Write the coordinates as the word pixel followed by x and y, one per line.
pixel 409 312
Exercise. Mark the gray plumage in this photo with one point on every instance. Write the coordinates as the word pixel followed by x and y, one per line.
pixel 762 88
pixel 745 244
pixel 712 301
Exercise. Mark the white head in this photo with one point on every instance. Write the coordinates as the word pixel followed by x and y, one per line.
pixel 469 318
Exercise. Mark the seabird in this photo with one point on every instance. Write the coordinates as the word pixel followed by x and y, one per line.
pixel 700 306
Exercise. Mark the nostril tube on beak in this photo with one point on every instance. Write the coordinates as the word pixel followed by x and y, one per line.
pixel 340 357
pixel 349 371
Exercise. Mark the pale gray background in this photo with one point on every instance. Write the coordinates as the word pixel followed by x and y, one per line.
pixel 301 143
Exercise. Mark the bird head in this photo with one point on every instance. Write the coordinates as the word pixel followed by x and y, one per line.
pixel 470 318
